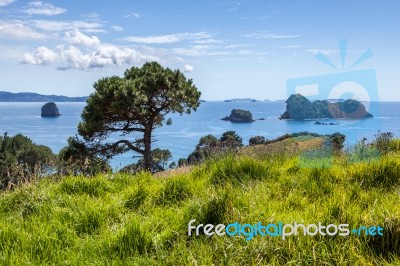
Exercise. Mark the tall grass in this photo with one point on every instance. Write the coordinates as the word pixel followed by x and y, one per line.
pixel 120 219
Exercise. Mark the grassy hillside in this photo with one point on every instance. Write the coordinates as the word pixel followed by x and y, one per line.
pixel 125 219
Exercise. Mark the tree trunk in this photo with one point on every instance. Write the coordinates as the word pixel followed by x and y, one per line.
pixel 147 148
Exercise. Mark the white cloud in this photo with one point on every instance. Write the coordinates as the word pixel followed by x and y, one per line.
pixel 5 2
pixel 188 68
pixel 231 46
pixel 323 51
pixel 289 46
pixel 133 14
pixel 117 28
pixel 199 50
pixel 17 30
pixel 95 55
pixel 170 38
pixel 48 25
pixel 41 8
pixel 103 56
pixel 246 52
pixel 78 38
pixel 42 56
pixel 270 36
pixel 206 41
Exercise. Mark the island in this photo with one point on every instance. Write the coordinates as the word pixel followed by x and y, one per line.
pixel 239 116
pixel 35 97
pixel 240 100
pixel 299 107
pixel 50 110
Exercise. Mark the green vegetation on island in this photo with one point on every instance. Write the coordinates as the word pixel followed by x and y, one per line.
pixel 239 116
pixel 299 107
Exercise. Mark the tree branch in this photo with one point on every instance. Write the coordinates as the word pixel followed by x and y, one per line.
pixel 129 144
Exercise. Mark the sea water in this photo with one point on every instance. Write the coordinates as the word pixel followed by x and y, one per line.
pixel 182 136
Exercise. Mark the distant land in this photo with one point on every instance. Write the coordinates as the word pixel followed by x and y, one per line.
pixel 35 97
pixel 240 100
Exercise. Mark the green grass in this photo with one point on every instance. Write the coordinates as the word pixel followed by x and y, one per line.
pixel 119 219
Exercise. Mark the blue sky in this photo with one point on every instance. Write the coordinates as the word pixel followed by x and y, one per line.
pixel 229 48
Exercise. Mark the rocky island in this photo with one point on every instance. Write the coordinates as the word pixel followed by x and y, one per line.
pixel 50 110
pixel 299 107
pixel 239 116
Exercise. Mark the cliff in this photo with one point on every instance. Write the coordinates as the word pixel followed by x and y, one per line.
pixel 299 107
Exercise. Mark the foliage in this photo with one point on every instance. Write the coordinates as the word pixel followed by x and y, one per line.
pixel 362 151
pixel 78 159
pixel 119 219
pixel 159 162
pixel 337 141
pixel 256 140
pixel 182 162
pixel 209 146
pixel 383 141
pixel 135 104
pixel 22 160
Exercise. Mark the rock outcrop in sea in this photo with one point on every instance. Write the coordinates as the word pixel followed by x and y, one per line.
pixel 299 107
pixel 239 116
pixel 50 110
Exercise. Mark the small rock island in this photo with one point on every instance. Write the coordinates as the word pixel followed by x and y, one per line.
pixel 50 109
pixel 299 107
pixel 239 116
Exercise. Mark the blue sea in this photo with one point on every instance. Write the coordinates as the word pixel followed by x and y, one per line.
pixel 182 136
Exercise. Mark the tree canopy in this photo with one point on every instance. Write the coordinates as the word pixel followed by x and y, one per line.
pixel 21 160
pixel 136 103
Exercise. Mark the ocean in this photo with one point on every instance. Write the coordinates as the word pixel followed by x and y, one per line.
pixel 182 136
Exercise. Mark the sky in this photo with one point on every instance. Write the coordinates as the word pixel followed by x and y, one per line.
pixel 231 49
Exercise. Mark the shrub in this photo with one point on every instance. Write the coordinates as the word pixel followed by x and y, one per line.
pixel 383 141
pixel 257 140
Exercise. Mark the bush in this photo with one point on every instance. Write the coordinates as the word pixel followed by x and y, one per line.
pixel 383 142
pixel 257 140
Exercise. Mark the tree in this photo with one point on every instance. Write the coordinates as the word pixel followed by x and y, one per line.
pixel 209 146
pixel 159 163
pixel 137 103
pixel 76 158
pixel 182 162
pixel 256 140
pixel 161 158
pixel 231 139
pixel 21 160
pixel 337 140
